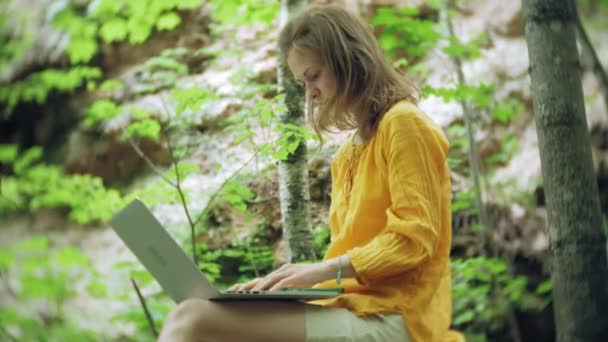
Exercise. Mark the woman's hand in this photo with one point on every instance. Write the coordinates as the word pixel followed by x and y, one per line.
pixel 291 275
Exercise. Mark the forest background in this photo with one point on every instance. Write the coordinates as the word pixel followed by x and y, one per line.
pixel 176 103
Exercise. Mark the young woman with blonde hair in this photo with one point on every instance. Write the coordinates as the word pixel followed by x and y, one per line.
pixel 390 216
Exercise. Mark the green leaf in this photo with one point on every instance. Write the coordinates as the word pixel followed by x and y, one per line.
pixel 188 4
pixel 544 288
pixel 101 110
pixel 7 257
pixel 8 153
pixel 146 128
pixel 111 85
pixel 464 317
pixel 97 289
pixel 29 157
pixel 508 110
pixel 168 21
pixel 139 30
pixel 139 113
pixel 190 98
pixel 81 49
pixel 114 30
pixel 185 169
pixel 68 256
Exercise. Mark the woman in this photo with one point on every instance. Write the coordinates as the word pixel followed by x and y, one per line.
pixel 389 216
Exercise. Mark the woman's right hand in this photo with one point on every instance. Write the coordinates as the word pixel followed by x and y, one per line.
pixel 245 286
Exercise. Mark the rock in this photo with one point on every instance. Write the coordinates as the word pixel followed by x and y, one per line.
pixel 108 158
pixel 597 115
pixel 506 60
pixel 522 172
pixel 48 219
pixel 48 44
pixel 506 18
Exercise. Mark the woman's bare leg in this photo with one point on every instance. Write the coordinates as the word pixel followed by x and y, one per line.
pixel 206 321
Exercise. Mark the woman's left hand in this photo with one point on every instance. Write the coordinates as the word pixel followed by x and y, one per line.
pixel 295 275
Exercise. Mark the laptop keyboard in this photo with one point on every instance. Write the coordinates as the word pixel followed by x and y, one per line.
pixel 244 292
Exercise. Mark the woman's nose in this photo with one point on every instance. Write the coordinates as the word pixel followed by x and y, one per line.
pixel 314 94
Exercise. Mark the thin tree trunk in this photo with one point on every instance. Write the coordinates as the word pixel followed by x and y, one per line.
pixel 596 64
pixel 294 189
pixel 487 248
pixel 472 151
pixel 580 268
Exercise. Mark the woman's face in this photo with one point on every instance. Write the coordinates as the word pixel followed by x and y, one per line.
pixel 318 82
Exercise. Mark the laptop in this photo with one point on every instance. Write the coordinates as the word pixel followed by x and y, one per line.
pixel 174 269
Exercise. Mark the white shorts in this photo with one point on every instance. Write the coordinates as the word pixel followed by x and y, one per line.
pixel 325 324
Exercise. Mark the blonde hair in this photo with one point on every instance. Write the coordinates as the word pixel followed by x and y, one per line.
pixel 367 85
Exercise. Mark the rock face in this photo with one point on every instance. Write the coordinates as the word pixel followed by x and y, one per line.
pixel 47 44
pixel 110 159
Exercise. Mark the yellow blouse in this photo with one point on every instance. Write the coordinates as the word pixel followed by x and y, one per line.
pixel 390 212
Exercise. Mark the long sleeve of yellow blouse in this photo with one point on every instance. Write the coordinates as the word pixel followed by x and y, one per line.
pixel 413 160
pixel 390 213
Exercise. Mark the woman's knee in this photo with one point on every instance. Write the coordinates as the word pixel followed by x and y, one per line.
pixel 188 320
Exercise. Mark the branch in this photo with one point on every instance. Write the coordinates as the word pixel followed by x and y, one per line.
pixel 150 163
pixel 468 118
pixel 257 153
pixel 473 160
pixel 144 306
pixel 596 64
pixel 178 185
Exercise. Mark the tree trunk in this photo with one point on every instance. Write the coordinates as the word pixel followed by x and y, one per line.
pixel 580 270
pixel 294 189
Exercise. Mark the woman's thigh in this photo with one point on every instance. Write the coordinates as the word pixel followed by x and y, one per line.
pixel 208 321
pixel 338 325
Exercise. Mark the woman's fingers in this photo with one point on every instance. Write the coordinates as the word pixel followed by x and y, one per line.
pixel 270 280
pixel 275 280
pixel 246 286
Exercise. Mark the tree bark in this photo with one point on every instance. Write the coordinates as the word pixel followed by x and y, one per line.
pixel 294 189
pixel 580 270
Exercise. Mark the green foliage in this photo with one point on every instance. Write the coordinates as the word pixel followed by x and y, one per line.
pixel 464 200
pixel 508 147
pixel 159 305
pixel 108 20
pixel 481 101
pixel 264 116
pixel 117 20
pixel 110 85
pixel 254 259
pixel 38 275
pixel 469 50
pixel 190 98
pixel 37 86
pixel 402 31
pixel 83 33
pixel 322 236
pixel 162 71
pixel 484 291
pixel 35 185
pixel 507 111
pixel 244 12
pixel 480 96
pixel 236 194
pixel 101 110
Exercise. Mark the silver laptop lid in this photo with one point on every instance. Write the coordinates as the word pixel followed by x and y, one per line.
pixel 160 254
